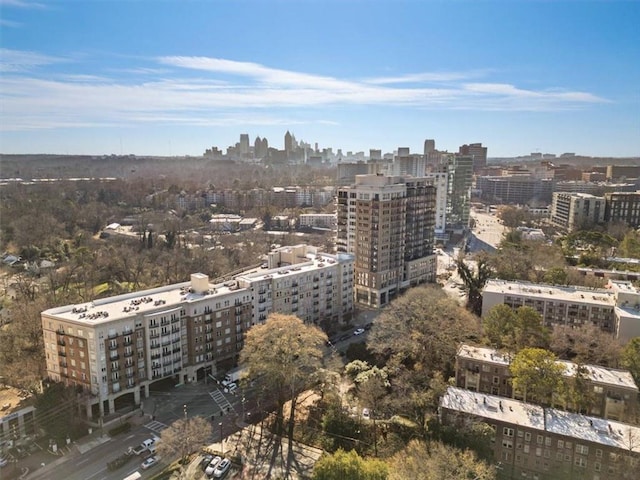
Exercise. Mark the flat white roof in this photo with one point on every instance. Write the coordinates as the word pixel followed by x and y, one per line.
pixel 573 425
pixel 596 373
pixel 120 307
pixel 552 292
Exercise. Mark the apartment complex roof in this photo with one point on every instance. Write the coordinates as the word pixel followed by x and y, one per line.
pixel 553 292
pixel 595 373
pixel 576 426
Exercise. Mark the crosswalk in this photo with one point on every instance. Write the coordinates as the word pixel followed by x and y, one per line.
pixel 155 426
pixel 221 400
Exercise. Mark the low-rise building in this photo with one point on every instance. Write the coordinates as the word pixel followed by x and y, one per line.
pixel 533 442
pixel 17 416
pixel 614 309
pixel 613 392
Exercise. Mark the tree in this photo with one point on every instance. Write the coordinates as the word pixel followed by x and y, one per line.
pixel 630 245
pixel 587 344
pixel 57 412
pixel 183 437
pixel 630 358
pixel 514 330
pixel 343 465
pixel 536 374
pixel 421 331
pixel 438 461
pixel 286 356
pixel 473 281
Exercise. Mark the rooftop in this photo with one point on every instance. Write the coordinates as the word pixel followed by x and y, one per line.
pixel 573 425
pixel 13 399
pixel 575 294
pixel 596 373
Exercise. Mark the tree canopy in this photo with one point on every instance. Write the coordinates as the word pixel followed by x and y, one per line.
pixel 184 436
pixel 514 330
pixel 438 461
pixel 349 465
pixel 421 330
pixel 536 374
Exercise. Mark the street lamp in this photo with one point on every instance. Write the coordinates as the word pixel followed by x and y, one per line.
pixel 221 439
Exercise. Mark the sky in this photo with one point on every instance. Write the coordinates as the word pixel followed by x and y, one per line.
pixel 169 77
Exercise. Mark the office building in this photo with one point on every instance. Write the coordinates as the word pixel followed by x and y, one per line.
pixel 537 443
pixel 387 223
pixel 115 348
pixel 515 189
pixel 477 152
pixel 614 309
pixel 460 179
pixel 574 211
pixel 613 393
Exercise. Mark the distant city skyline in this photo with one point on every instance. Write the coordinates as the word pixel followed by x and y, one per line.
pixel 175 78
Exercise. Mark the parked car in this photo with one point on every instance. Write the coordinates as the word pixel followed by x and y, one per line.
pixel 232 387
pixel 3 462
pixel 149 462
pixel 206 460
pixel 222 468
pixel 366 413
pixel 358 331
pixel 212 465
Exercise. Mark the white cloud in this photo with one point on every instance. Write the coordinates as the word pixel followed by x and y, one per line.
pixel 228 91
pixel 21 4
pixel 426 77
pixel 9 23
pixel 20 60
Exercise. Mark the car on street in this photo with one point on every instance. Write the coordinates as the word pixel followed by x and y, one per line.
pixel 232 387
pixel 358 331
pixel 212 465
pixel 222 468
pixel 149 462
pixel 3 462
pixel 366 413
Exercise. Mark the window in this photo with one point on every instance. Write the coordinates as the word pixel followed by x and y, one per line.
pixel 526 449
pixel 507 443
pixel 547 441
pixel 527 436
pixel 539 440
pixel 582 449
pixel 507 432
pixel 598 453
pixel 560 444
pixel 580 462
pixel 597 466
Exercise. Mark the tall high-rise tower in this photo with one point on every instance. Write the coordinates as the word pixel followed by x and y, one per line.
pixel 477 152
pixel 288 142
pixel 460 178
pixel 387 222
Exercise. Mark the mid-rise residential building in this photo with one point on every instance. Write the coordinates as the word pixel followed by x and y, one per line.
pixel 614 309
pixel 115 348
pixel 537 443
pixel 613 393
pixel 387 223
pixel 317 220
pixel 573 211
pixel 440 181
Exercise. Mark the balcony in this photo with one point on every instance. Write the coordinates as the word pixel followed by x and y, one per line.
pixel 113 335
pixel 154 335
pixel 61 342
pixel 61 353
pixel 175 319
pixel 128 342
pixel 176 340
pixel 131 375
pixel 114 357
pixel 113 346
pixel 63 364
pixel 176 350
pixel 60 331
pixel 128 354
pixel 175 330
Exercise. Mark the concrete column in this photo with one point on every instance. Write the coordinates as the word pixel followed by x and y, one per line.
pixel 146 390
pixel 136 395
pixel 112 406
pixel 89 411
pixel 101 408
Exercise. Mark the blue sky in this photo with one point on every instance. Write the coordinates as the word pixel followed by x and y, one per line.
pixel 176 77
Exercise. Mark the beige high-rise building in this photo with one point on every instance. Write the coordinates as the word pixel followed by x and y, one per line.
pixel 387 222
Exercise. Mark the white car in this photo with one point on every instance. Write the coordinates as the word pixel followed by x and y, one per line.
pixel 3 462
pixel 366 413
pixel 149 462
pixel 222 468
pixel 231 387
pixel 212 466
pixel 358 331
